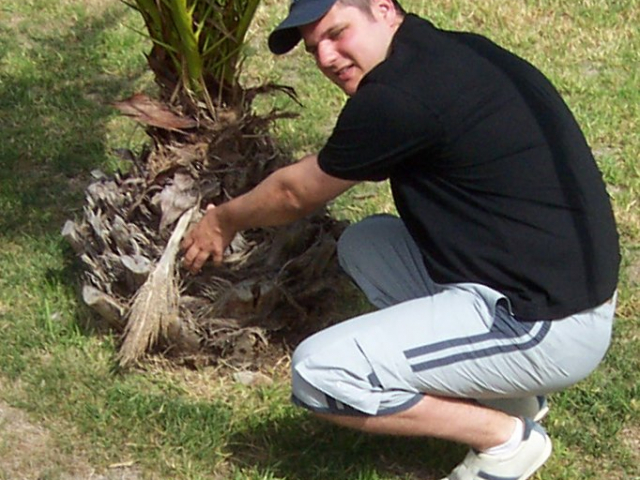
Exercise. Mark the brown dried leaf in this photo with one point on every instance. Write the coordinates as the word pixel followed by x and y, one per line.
pixel 152 112
pixel 105 305
pixel 175 199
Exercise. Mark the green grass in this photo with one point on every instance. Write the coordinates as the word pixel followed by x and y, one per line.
pixel 63 63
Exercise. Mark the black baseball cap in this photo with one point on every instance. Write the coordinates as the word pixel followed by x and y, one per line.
pixel 301 12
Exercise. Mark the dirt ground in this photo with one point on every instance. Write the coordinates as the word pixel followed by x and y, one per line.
pixel 28 452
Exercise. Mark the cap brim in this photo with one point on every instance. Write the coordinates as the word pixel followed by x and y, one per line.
pixel 283 40
pixel 302 12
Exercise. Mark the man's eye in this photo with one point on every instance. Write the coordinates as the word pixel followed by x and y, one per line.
pixel 336 34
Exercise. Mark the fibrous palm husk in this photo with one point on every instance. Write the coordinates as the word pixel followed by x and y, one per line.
pixel 156 305
pixel 272 280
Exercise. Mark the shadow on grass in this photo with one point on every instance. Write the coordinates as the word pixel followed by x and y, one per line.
pixel 54 96
pixel 301 447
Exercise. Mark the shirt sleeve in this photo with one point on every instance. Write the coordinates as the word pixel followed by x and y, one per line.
pixel 379 128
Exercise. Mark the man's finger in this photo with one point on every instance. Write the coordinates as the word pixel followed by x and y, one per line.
pixel 199 261
pixel 187 241
pixel 190 256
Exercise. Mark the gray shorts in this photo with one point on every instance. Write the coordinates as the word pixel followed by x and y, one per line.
pixel 456 340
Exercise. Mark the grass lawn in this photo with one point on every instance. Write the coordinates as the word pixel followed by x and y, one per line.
pixel 73 417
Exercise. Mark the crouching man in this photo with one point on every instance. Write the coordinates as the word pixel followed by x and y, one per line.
pixel 496 284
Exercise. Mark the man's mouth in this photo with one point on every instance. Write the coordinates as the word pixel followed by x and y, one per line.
pixel 344 73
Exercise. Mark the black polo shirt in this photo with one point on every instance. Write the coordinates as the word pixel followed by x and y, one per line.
pixel 489 170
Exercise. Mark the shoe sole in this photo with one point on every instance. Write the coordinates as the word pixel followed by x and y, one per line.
pixel 541 413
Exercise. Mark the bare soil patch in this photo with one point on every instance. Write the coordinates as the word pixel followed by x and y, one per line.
pixel 28 452
pixel 630 437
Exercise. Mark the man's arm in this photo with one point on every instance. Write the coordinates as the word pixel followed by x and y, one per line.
pixel 284 196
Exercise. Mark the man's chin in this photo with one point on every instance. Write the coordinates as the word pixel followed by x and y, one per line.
pixel 349 88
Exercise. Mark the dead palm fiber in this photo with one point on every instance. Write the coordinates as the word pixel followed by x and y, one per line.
pixel 155 306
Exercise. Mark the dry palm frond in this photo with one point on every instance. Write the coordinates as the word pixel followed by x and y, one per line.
pixel 155 308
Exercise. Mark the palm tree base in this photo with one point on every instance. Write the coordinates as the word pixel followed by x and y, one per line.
pixel 275 283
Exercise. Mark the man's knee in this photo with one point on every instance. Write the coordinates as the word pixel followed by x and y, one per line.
pixel 333 374
pixel 306 395
pixel 319 400
pixel 330 375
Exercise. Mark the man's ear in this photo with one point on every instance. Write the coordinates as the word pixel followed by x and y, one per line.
pixel 384 8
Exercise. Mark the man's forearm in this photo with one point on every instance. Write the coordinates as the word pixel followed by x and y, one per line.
pixel 284 196
pixel 270 203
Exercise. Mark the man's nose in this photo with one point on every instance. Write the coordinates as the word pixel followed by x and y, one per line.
pixel 325 55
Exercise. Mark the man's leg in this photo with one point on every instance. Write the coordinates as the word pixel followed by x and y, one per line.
pixel 388 372
pixel 515 454
pixel 382 258
pixel 384 261
pixel 456 344
pixel 359 374
pixel 452 419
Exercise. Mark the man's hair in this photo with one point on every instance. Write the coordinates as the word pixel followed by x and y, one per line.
pixel 365 5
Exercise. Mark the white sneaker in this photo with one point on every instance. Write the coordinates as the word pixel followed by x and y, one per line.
pixel 535 408
pixel 519 465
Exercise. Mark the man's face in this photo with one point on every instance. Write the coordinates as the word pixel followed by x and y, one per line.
pixel 347 43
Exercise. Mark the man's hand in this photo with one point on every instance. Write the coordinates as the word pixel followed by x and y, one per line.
pixel 208 238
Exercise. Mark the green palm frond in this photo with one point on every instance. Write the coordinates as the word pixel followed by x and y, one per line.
pixel 198 42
